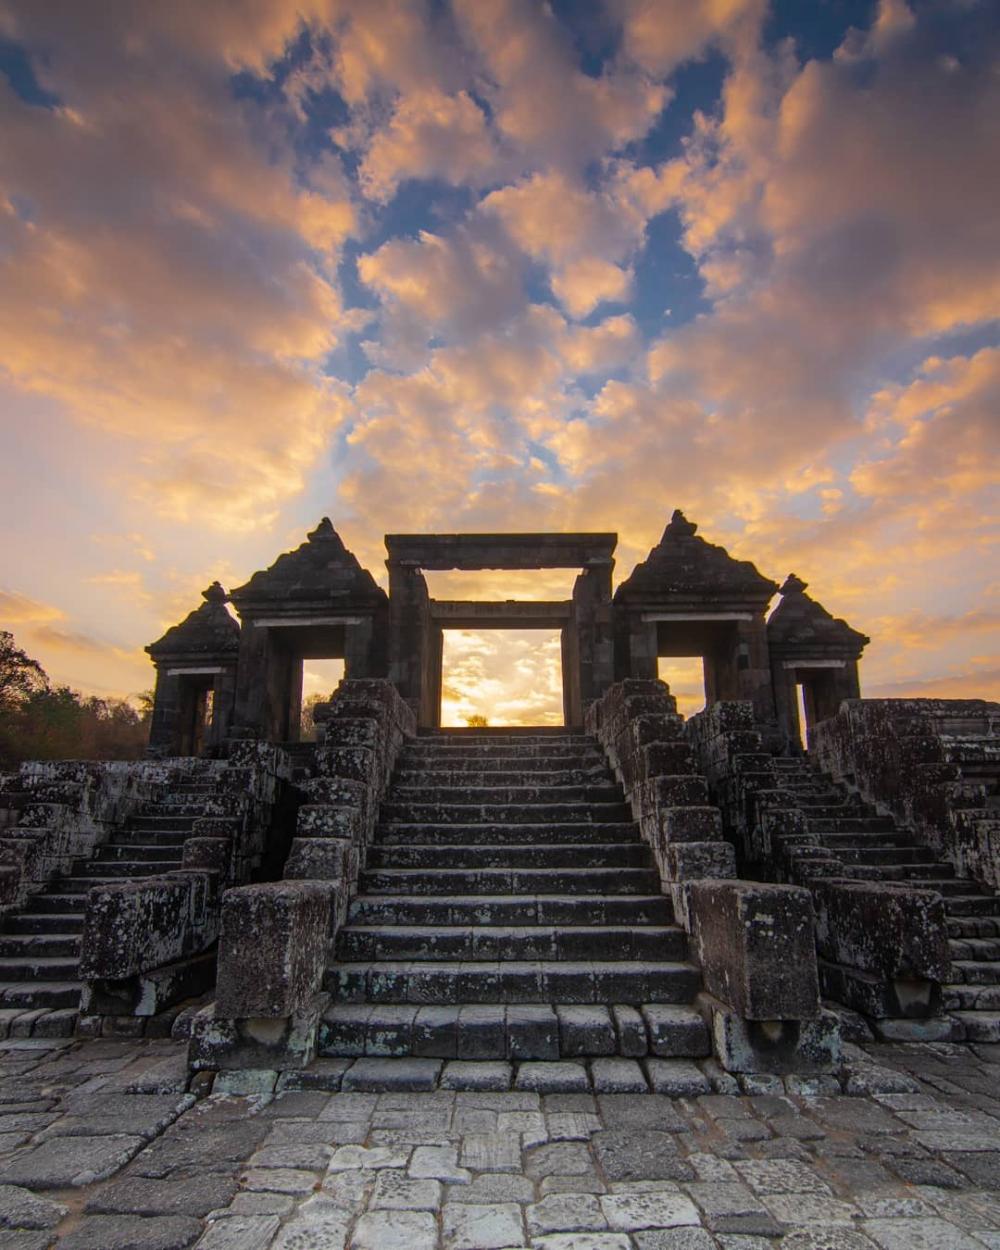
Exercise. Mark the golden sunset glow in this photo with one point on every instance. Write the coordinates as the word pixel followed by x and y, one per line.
pixel 498 265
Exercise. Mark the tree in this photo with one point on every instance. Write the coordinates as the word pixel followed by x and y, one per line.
pixel 20 675
pixel 477 721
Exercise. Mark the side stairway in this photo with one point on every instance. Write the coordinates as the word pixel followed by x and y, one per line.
pixel 509 910
pixel 40 944
pixel 873 847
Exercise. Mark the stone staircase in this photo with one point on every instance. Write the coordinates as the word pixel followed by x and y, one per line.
pixel 508 910
pixel 874 847
pixel 40 944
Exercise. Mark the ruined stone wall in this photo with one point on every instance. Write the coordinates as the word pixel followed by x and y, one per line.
pixel 933 763
pixel 637 724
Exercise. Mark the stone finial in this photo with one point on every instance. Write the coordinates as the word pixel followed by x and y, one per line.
pixel 680 526
pixel 323 530
pixel 215 593
pixel 793 585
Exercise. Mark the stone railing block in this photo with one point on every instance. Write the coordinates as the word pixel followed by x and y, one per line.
pixel 272 948
pixel 755 945
pixel 139 925
pixel 889 930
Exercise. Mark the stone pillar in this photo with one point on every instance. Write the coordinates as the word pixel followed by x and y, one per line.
pixel 786 704
pixel 569 645
pixel 409 625
pixel 253 666
pixel 636 646
pixel 753 668
pixel 592 622
pixel 163 729
pixel 223 707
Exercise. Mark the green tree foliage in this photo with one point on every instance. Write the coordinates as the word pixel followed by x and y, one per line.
pixel 40 721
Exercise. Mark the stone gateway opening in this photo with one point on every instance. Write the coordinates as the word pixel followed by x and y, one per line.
pixel 503 676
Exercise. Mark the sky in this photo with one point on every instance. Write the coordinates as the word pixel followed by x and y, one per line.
pixel 470 265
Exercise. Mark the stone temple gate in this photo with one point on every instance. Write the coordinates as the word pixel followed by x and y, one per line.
pixel 688 598
pixel 635 900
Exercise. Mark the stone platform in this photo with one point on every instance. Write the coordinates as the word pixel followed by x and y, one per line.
pixel 109 1145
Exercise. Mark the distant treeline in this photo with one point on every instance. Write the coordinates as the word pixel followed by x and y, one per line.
pixel 40 721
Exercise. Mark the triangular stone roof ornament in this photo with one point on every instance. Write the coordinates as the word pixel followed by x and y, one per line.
pixel 801 628
pixel 686 572
pixel 320 570
pixel 208 630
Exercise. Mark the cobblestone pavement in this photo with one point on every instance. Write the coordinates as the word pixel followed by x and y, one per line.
pixel 102 1147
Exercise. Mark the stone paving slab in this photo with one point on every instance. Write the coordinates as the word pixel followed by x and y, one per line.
pixel 774 1165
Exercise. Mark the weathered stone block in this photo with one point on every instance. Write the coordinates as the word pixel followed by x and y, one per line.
pixel 689 861
pixel 776 1045
pixel 262 1042
pixel 272 948
pixel 889 930
pixel 679 790
pixel 326 821
pixel 140 925
pixel 322 859
pixel 690 824
pixel 755 944
pixel 10 881
pixel 210 854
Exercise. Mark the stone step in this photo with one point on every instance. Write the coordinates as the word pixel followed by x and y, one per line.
pixel 977 927
pixel 531 981
pixel 509 881
pixel 958 996
pixel 149 837
pixel 518 1031
pixel 825 804
pixel 510 855
pixel 889 855
pixel 979 1026
pixel 481 765
pixel 502 736
pixel 360 943
pixel 518 795
pixel 861 838
pixel 134 851
pixel 394 832
pixel 40 968
pixel 948 887
pixel 45 923
pixel 851 824
pixel 475 754
pixel 58 901
pixel 976 972
pixel 499 813
pixel 34 945
pixel 181 810
pixel 168 824
pixel 508 909
pixel 598 775
pixel 92 870
pixel 28 994
pixel 971 904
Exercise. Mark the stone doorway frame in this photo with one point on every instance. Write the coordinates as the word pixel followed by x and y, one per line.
pixel 417 622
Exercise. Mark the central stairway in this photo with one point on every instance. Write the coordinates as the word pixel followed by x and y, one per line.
pixel 509 910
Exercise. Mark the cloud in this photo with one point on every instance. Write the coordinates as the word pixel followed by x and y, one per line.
pixel 584 237
pixel 659 35
pixel 430 135
pixel 543 104
pixel 16 609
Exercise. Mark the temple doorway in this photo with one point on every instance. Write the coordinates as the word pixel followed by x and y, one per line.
pixel 502 677
pixel 685 675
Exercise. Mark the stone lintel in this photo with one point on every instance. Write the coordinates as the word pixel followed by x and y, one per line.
pixel 697 616
pixel 303 620
pixel 793 664
pixel 194 669
pixel 508 613
pixel 500 551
